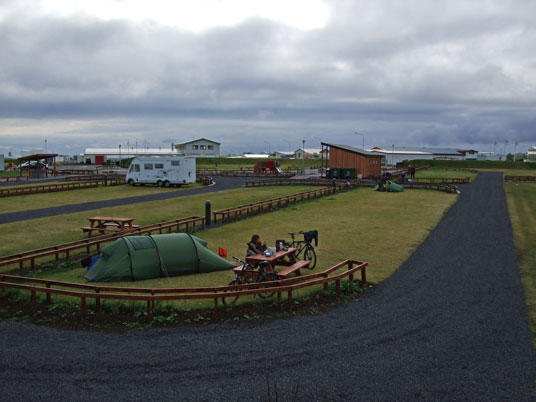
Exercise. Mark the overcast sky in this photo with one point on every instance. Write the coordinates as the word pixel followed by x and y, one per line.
pixel 258 75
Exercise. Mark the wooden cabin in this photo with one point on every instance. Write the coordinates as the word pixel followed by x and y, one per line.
pixel 345 157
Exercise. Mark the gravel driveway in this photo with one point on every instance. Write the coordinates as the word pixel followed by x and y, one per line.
pixel 451 324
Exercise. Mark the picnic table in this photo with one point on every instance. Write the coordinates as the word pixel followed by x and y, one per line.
pixel 109 224
pixel 285 258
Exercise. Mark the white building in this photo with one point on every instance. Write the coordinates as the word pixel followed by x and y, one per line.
pixel 531 154
pixel 282 154
pixel 308 153
pixel 200 147
pixel 394 155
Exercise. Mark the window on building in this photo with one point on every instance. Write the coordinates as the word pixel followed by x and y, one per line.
pixel 148 166
pixel 159 166
pixel 210 147
pixel 195 147
pixel 203 147
pixel 175 163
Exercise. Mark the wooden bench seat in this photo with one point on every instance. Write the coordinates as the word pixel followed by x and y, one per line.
pixel 90 229
pixel 293 268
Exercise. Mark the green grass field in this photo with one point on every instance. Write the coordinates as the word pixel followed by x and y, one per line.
pixel 360 224
pixel 380 228
pixel 439 173
pixel 45 200
pixel 522 207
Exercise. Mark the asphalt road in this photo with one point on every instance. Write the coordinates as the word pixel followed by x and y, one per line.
pixel 450 324
pixel 222 183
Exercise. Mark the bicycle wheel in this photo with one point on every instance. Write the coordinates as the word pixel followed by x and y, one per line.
pixel 267 276
pixel 310 254
pixel 230 300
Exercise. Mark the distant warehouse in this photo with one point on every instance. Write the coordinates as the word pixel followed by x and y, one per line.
pixel 201 147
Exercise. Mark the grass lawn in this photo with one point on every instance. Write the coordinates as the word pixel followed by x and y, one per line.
pixel 29 235
pixel 438 173
pixel 380 228
pixel 33 201
pixel 522 207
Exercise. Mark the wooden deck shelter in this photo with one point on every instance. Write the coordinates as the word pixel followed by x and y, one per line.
pixel 37 172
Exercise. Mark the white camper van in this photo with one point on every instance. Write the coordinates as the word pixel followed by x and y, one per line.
pixel 162 171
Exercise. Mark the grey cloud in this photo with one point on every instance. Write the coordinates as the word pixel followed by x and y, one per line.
pixel 443 73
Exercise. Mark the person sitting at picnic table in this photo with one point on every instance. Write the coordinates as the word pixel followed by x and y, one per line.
pixel 255 246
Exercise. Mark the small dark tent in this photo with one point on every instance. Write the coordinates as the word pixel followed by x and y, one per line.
pixel 134 258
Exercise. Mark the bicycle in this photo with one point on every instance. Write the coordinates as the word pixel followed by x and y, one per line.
pixel 250 274
pixel 303 246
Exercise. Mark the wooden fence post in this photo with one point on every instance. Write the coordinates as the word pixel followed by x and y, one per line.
pixel 84 308
pixel 149 311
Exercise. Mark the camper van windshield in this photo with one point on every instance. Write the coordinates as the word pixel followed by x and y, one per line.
pixel 134 167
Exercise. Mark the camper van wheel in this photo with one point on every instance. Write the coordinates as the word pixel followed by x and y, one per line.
pixel 167 184
pixel 131 182
pixel 159 183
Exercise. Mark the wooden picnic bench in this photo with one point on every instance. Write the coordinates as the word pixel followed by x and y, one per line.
pixel 284 258
pixel 294 268
pixel 109 224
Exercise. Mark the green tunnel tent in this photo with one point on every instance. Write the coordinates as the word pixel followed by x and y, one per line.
pixel 388 185
pixel 394 187
pixel 135 258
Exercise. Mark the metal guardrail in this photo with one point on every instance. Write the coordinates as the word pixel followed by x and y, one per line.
pixel 187 224
pixel 151 295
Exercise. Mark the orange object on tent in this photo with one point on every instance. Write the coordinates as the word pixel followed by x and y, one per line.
pixel 222 252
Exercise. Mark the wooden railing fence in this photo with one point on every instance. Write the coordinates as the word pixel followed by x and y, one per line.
pixel 51 188
pixel 151 295
pixel 254 208
pixel 525 179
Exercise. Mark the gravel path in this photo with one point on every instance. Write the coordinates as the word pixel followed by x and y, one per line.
pixel 451 324
pixel 222 183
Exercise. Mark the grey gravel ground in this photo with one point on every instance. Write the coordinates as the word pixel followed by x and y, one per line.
pixel 450 325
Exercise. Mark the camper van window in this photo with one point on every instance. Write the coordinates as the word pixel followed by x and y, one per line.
pixel 148 166
pixel 159 166
pixel 134 167
pixel 175 163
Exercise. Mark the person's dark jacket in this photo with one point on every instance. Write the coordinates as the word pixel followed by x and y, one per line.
pixel 255 249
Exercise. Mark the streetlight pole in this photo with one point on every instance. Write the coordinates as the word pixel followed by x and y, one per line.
pixel 303 156
pixel 119 155
pixel 362 135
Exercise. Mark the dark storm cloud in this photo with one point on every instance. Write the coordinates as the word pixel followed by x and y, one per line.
pixel 411 72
